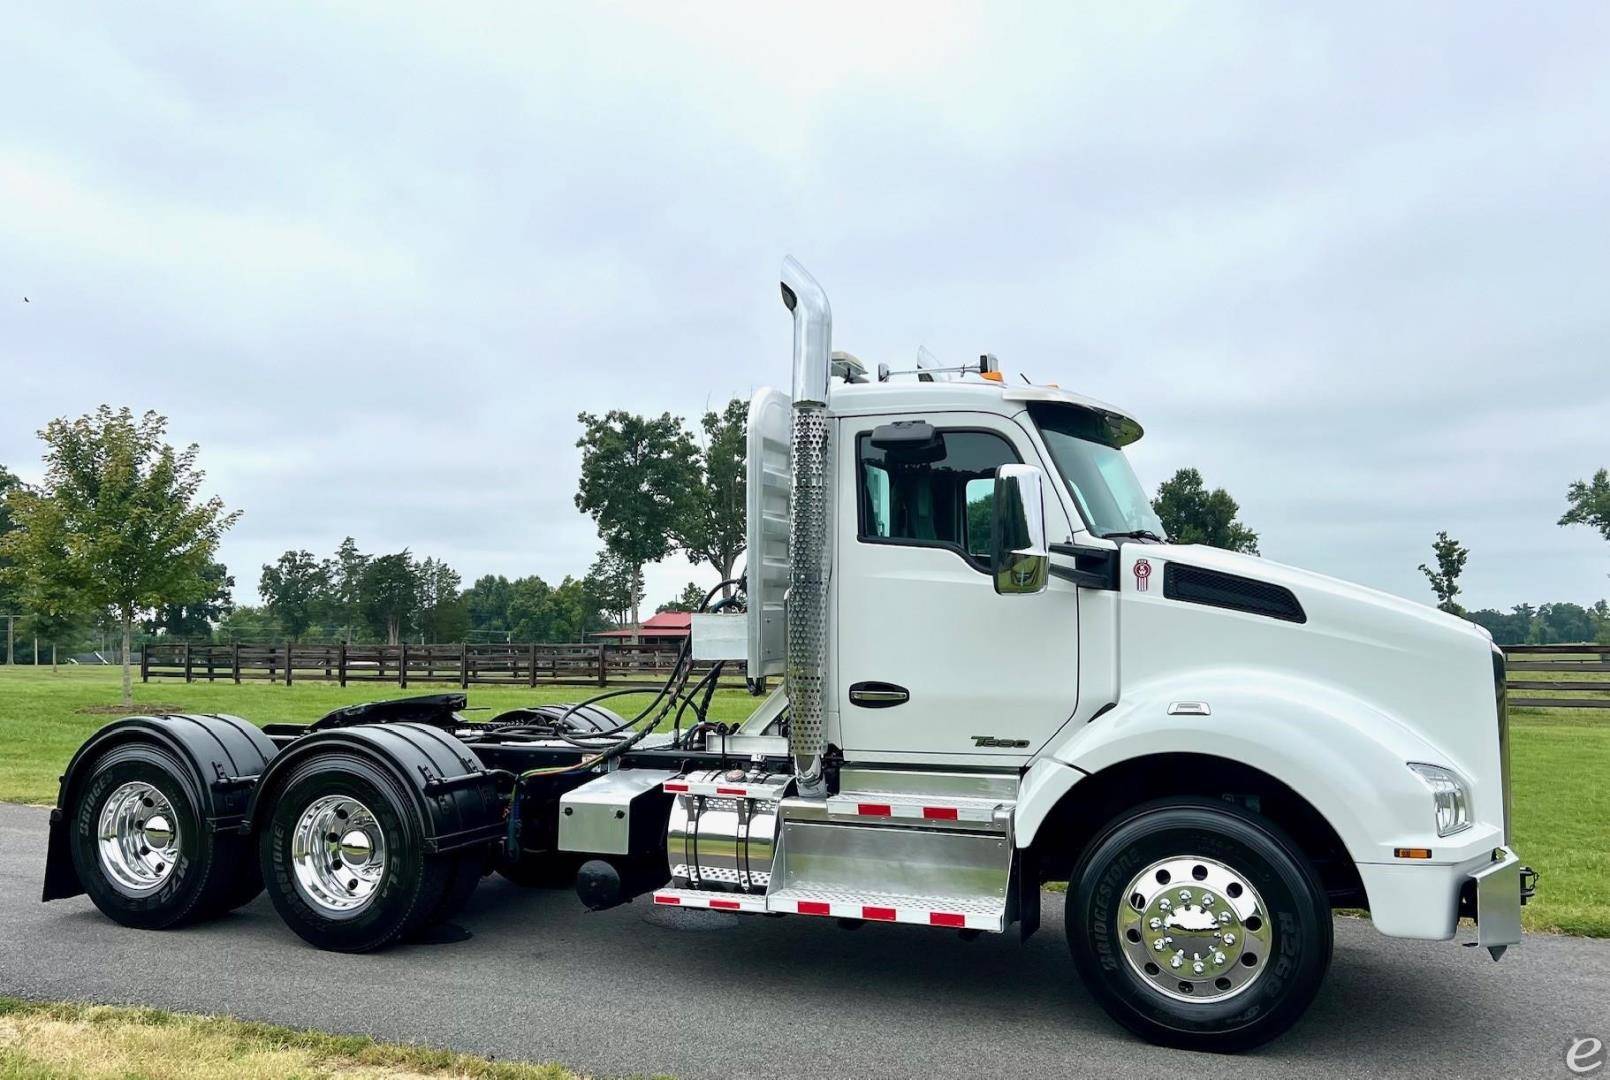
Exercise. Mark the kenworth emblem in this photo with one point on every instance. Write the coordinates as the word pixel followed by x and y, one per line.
pixel 1143 571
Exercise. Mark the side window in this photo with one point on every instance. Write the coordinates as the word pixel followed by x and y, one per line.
pixel 980 503
pixel 940 499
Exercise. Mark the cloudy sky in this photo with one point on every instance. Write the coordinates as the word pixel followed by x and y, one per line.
pixel 1351 262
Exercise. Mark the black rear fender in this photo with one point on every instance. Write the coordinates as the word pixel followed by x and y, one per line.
pixel 221 757
pixel 454 799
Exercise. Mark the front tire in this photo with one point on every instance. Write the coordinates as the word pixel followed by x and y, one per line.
pixel 1197 924
pixel 344 860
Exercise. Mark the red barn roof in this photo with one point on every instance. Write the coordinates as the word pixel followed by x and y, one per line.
pixel 665 624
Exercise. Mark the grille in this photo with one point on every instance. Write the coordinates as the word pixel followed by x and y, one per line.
pixel 1194 585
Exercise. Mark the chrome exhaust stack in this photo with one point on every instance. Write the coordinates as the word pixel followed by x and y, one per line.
pixel 809 539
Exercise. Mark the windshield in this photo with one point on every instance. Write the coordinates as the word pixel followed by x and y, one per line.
pixel 1096 472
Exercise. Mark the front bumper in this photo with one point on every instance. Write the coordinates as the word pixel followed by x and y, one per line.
pixel 1427 901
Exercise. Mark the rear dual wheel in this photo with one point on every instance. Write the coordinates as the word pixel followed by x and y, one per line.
pixel 345 863
pixel 1200 925
pixel 143 850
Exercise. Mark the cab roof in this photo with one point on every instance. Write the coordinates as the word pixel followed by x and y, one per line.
pixel 973 393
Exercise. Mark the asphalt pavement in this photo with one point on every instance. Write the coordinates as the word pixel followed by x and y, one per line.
pixel 714 996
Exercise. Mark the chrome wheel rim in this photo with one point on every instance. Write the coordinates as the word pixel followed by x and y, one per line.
pixel 338 855
pixel 1194 929
pixel 137 838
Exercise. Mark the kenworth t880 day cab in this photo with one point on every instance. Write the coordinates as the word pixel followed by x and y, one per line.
pixel 996 673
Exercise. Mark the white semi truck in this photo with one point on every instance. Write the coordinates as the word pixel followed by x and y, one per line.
pixel 996 673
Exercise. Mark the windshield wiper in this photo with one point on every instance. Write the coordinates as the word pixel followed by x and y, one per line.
pixel 1135 534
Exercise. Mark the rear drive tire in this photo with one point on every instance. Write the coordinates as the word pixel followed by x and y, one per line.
pixel 141 849
pixel 1199 925
pixel 343 858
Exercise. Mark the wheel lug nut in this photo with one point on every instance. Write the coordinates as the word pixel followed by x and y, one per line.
pixel 1207 899
pixel 1197 967
pixel 1155 923
pixel 1159 945
pixel 1229 939
pixel 1177 961
pixel 1185 896
pixel 1164 905
pixel 1218 958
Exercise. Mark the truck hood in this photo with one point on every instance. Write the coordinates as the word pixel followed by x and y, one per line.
pixel 1338 602
pixel 1424 669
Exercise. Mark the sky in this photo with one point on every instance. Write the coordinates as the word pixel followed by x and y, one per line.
pixel 1350 261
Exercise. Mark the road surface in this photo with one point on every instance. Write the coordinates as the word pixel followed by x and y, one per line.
pixel 711 996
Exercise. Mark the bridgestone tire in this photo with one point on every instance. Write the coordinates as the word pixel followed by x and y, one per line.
pixel 212 869
pixel 1299 921
pixel 411 887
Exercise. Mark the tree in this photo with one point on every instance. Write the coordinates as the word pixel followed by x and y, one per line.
pixel 1589 503
pixel 1511 628
pixel 195 620
pixel 293 590
pixel 389 594
pixel 1562 623
pixel 443 615
pixel 689 599
pixel 487 602
pixel 613 587
pixel 118 521
pixel 248 625
pixel 1193 515
pixel 343 592
pixel 1444 579
pixel 50 595
pixel 636 475
pixel 9 602
pixel 712 530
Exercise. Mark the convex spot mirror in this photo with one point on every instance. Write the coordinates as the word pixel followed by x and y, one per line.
pixel 1020 557
pixel 909 442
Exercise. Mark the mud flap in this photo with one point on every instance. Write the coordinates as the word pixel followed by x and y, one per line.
pixel 61 879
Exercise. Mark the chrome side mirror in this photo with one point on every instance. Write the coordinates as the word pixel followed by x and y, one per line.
pixel 1020 556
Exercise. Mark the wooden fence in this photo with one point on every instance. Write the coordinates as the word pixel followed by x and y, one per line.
pixel 581 664
pixel 1579 676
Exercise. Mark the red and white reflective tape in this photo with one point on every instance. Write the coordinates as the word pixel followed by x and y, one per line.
pixel 911 811
pixel 723 790
pixel 961 920
pixel 691 898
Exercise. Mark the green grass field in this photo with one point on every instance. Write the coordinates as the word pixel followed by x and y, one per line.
pixel 97 1042
pixel 1560 761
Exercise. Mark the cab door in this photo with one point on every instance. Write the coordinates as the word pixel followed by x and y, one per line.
pixel 932 664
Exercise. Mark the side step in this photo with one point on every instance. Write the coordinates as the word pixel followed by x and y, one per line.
pixel 962 913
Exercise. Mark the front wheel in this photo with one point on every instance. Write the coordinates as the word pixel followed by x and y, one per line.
pixel 1197 924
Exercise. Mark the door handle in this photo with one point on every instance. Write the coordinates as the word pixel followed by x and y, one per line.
pixel 878 695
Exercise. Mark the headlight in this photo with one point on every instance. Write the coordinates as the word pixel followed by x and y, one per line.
pixel 1448 795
